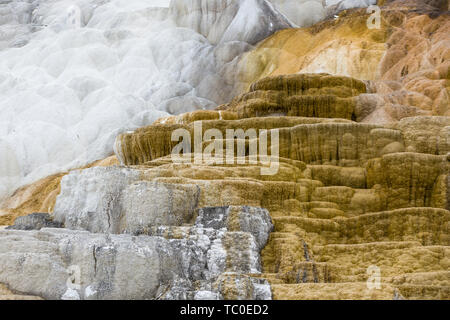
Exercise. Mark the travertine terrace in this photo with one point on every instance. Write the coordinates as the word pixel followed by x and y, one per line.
pixel 359 207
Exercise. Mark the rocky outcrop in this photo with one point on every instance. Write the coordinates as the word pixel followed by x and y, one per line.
pixel 169 262
pixel 405 59
pixel 39 196
pixel 34 221
pixel 221 21
pixel 410 179
pixel 356 208
pixel 306 95
pixel 344 190
pixel 426 134
pixel 312 138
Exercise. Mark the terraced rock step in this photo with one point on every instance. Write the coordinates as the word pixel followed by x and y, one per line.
pixel 354 211
pixel 308 95
pixel 369 195
pixel 335 291
pixel 190 262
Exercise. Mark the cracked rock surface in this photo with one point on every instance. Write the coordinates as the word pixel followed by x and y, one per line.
pixel 168 262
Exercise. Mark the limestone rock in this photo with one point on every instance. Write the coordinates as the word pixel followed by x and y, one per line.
pixel 256 221
pixel 357 209
pixel 146 204
pixel 39 264
pixel 308 95
pixel 168 263
pixel 35 221
pixel 343 189
pixel 39 196
pixel 405 59
pixel 426 134
pixel 94 69
pixel 221 20
pixel 90 203
pixel 409 179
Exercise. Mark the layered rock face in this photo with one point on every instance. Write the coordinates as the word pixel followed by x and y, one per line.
pixel 348 197
pixel 352 204
pixel 402 49
pixel 154 252
pixel 337 186
pixel 75 74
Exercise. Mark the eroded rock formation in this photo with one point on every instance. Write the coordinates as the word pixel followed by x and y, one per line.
pixel 168 261
pixel 357 208
pixel 348 195
pixel 405 59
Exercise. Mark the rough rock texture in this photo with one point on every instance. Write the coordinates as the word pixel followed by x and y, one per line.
pixel 348 196
pixel 94 203
pixel 358 207
pixel 74 74
pixel 39 196
pixel 6 294
pixel 406 60
pixel 221 21
pixel 306 95
pixel 167 262
pixel 35 221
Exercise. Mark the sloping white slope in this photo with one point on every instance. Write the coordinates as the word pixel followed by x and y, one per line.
pixel 74 74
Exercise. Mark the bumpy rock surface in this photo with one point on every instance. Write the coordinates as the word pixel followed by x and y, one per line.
pixel 35 221
pixel 405 59
pixel 168 262
pixel 74 74
pixel 358 207
pixel 348 197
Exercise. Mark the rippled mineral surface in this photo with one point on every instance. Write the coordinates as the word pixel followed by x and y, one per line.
pixel 93 205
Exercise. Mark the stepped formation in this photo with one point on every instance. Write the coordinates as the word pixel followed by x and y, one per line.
pixel 347 198
pixel 404 59
pixel 75 74
pixel 201 261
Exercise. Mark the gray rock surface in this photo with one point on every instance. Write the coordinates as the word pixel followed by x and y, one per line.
pixel 56 263
pixel 256 221
pixel 128 238
pixel 119 203
pixel 145 204
pixel 90 199
pixel 35 221
pixel 168 262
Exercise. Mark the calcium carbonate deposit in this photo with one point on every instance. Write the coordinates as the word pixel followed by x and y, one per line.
pixel 75 74
pixel 352 202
